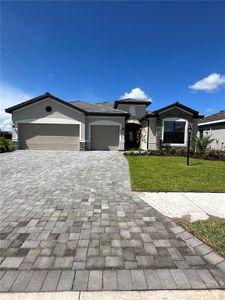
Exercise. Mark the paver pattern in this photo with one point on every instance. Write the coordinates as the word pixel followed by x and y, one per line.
pixel 68 221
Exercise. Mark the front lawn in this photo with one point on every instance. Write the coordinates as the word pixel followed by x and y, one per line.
pixel 171 174
pixel 210 232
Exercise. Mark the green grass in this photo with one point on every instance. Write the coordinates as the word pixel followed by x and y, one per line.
pixel 171 174
pixel 210 232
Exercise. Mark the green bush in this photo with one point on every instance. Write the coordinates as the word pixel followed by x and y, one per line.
pixel 202 143
pixel 6 145
pixel 6 135
pixel 181 151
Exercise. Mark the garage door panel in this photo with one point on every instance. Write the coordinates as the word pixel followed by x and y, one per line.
pixel 49 137
pixel 104 137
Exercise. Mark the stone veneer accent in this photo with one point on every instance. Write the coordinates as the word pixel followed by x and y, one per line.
pixel 82 146
pixel 172 113
pixel 15 145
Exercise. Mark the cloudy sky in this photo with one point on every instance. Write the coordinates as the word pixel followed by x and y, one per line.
pixel 163 51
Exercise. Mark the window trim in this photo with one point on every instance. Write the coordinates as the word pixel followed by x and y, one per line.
pixel 185 132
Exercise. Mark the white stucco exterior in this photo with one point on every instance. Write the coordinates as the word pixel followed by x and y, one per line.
pixel 148 128
pixel 36 113
pixel 217 132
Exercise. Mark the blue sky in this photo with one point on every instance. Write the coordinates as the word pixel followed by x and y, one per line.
pixel 100 50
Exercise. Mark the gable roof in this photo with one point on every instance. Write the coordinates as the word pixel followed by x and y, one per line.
pixel 178 104
pixel 131 101
pixel 41 97
pixel 97 109
pixel 214 118
pixel 82 106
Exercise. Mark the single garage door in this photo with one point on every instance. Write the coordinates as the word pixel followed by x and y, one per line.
pixel 104 137
pixel 49 137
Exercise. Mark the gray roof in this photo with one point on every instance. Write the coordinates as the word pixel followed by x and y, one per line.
pixel 85 107
pixel 97 108
pixel 213 118
pixel 150 113
pixel 133 100
pixel 106 103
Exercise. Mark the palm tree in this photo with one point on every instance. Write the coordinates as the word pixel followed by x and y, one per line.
pixel 202 143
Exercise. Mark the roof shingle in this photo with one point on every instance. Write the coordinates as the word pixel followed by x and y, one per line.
pixel 97 108
pixel 220 116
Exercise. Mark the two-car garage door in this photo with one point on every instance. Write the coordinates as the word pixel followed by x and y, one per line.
pixel 49 137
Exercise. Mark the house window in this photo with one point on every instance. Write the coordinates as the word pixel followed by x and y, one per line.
pixel 174 132
pixel 48 109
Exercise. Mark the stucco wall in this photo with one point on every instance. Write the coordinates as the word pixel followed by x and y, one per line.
pixel 140 109
pixel 217 131
pixel 151 132
pixel 60 114
pixel 108 120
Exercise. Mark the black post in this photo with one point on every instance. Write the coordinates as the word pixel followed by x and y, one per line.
pixel 188 144
pixel 148 136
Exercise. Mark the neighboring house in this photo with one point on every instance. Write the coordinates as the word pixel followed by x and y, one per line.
pixel 214 125
pixel 47 122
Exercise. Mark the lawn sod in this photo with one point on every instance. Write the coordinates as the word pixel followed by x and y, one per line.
pixel 171 174
pixel 210 232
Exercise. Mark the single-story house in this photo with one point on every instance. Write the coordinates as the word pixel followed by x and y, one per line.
pixel 214 125
pixel 47 122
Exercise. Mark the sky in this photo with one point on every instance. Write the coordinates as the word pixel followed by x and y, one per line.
pixel 101 51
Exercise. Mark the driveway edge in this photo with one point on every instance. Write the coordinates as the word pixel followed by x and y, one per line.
pixel 208 254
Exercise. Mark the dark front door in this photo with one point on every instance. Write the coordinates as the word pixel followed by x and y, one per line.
pixel 132 136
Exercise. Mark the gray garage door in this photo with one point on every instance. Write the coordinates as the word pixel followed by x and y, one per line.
pixel 104 137
pixel 49 137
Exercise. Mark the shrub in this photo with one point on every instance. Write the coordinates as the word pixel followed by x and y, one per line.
pixel 202 143
pixel 6 134
pixel 6 145
pixel 214 155
pixel 181 151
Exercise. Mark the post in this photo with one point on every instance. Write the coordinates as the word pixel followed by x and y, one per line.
pixel 188 143
pixel 148 135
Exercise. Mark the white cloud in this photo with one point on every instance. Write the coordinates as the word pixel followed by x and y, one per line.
pixel 209 109
pixel 209 84
pixel 6 125
pixel 9 96
pixel 137 94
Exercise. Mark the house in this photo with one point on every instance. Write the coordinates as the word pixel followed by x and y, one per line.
pixel 47 122
pixel 214 125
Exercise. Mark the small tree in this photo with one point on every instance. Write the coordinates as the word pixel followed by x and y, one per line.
pixel 202 143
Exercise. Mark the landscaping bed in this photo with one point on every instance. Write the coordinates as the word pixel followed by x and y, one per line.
pixel 171 174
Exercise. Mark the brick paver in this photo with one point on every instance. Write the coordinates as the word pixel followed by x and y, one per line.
pixel 68 220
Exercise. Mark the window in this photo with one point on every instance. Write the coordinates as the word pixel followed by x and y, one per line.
pixel 174 132
pixel 48 109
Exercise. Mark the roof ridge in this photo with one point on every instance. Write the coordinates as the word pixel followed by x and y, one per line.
pixel 113 109
pixel 110 108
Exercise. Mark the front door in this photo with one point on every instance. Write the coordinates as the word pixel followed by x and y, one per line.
pixel 132 136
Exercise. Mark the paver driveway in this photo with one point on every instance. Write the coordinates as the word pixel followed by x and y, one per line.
pixel 69 221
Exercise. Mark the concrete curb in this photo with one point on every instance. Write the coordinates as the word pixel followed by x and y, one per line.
pixel 148 295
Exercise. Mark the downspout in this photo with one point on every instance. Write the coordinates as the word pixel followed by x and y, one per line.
pixel 148 135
